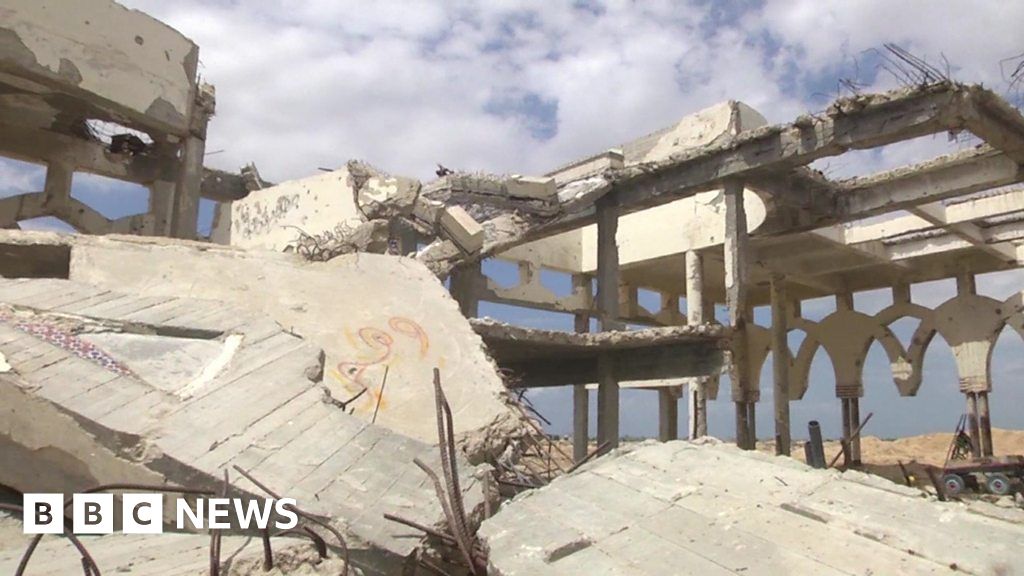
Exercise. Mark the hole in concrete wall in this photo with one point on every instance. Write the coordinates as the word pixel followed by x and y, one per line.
pixel 504 273
pixel 904 329
pixel 649 300
pixel 519 316
pixel 35 261
pixel 865 162
pixel 1000 285
pixel 722 314
pixel 118 134
pixel 681 303
pixel 112 198
pixel 204 224
pixel 819 402
pixel 817 308
pixel 1007 396
pixel 872 302
pixel 46 224
pixel 560 283
pixel 639 414
pixel 934 293
pixel 17 177
pixel 882 398
pixel 939 397
pixel 795 339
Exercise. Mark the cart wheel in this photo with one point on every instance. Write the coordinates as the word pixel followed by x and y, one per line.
pixel 997 483
pixel 953 484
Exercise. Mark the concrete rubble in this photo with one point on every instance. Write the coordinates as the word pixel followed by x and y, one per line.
pixel 707 508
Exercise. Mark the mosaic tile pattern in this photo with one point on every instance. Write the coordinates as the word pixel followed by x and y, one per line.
pixel 62 338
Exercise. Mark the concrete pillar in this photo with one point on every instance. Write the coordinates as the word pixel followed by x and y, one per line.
pixel 984 424
pixel 57 188
pixel 580 422
pixel 668 415
pixel 697 313
pixel 855 422
pixel 580 394
pixel 161 206
pixel 462 285
pixel 608 316
pixel 848 426
pixel 780 364
pixel 186 192
pixel 736 273
pixel 974 424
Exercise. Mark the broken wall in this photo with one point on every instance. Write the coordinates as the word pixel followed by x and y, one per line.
pixel 139 67
pixel 273 218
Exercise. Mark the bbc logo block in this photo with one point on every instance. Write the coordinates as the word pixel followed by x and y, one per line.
pixel 95 513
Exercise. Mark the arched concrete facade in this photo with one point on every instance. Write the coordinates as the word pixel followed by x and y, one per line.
pixel 970 323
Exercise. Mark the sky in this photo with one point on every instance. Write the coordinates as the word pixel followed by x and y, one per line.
pixel 527 86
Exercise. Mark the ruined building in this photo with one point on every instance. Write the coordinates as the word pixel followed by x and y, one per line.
pixel 294 347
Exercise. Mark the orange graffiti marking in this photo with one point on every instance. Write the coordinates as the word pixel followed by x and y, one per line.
pixel 380 346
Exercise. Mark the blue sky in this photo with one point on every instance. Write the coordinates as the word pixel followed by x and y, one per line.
pixel 526 86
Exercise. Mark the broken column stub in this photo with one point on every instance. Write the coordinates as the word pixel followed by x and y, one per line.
pixel 462 229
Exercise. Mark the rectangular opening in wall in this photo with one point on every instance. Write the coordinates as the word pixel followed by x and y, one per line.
pixel 35 261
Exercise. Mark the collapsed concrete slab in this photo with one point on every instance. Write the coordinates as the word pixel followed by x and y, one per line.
pixel 384 323
pixel 81 408
pixel 711 509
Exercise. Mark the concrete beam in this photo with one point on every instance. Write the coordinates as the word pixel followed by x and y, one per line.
pixel 936 214
pixel 944 177
pixel 852 124
pixel 1003 236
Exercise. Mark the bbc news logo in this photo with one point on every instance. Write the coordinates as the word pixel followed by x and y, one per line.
pixel 144 513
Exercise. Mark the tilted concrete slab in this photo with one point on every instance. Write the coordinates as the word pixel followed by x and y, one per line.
pixel 711 509
pixel 78 411
pixel 371 314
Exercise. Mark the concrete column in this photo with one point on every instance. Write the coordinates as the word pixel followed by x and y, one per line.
pixel 161 206
pixel 608 316
pixel 580 422
pixel 736 256
pixel 186 191
pixel 57 188
pixel 697 313
pixel 580 394
pixel 668 415
pixel 780 364
pixel 974 424
pixel 984 424
pixel 855 422
pixel 462 285
pixel 848 426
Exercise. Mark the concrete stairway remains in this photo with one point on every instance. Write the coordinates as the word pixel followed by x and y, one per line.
pixel 99 386
pixel 711 509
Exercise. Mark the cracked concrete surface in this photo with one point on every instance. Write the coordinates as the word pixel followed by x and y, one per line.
pixel 709 508
pixel 79 409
